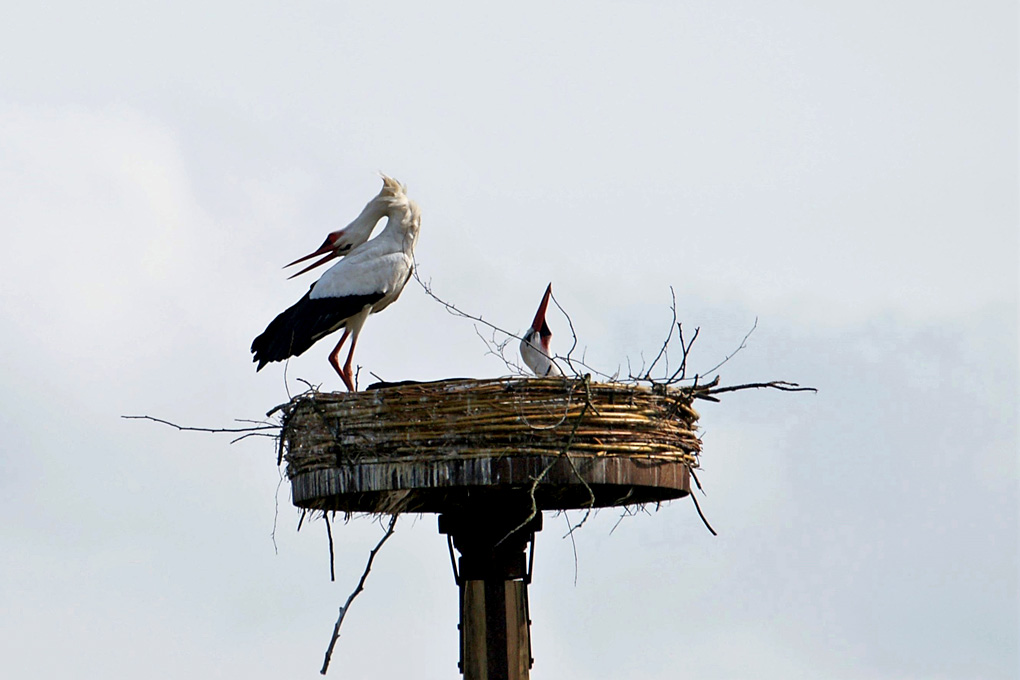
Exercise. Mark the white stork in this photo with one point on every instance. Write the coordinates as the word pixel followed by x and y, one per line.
pixel 367 280
pixel 339 243
pixel 535 343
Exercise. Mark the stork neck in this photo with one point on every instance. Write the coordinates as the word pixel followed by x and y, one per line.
pixel 400 225
pixel 374 211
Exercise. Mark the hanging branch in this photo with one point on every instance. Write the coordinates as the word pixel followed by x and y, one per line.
pixel 701 514
pixel 350 599
pixel 329 535
pixel 697 507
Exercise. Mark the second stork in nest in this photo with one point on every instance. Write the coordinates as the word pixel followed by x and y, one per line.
pixel 535 344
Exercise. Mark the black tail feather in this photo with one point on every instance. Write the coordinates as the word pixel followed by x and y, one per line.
pixel 303 324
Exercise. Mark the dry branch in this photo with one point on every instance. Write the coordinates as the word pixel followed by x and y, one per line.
pixel 260 429
pixel 357 591
pixel 781 385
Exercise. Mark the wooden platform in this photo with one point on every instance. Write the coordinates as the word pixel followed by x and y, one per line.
pixel 450 445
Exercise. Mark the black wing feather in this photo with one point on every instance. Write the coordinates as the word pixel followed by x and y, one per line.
pixel 306 322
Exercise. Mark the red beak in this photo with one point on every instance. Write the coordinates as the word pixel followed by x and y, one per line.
pixel 539 325
pixel 325 248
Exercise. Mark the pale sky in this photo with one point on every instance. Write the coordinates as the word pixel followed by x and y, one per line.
pixel 845 173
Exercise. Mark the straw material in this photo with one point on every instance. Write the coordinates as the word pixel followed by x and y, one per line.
pixel 466 419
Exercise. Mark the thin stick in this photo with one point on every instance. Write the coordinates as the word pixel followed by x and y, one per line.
pixel 350 599
pixel 452 309
pixel 775 384
pixel 276 511
pixel 329 534
pixel 696 480
pixel 573 545
pixel 456 311
pixel 701 514
pixel 573 334
pixel 743 344
pixel 663 351
pixel 682 371
pixel 204 429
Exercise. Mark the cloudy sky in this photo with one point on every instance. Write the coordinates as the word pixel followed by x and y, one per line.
pixel 846 173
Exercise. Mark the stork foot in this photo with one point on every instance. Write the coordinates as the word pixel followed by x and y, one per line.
pixel 348 381
pixel 348 377
pixel 346 374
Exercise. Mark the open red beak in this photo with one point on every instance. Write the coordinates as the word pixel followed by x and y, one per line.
pixel 539 325
pixel 326 248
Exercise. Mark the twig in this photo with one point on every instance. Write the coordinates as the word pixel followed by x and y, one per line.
pixel 743 344
pixel 701 514
pixel 250 430
pixel 456 311
pixel 452 309
pixel 664 350
pixel 286 387
pixel 627 512
pixel 570 361
pixel 782 385
pixel 681 373
pixel 573 335
pixel 276 510
pixel 497 348
pixel 697 481
pixel 350 599
pixel 329 534
pixel 310 386
pixel 573 545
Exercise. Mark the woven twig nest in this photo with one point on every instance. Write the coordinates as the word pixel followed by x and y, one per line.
pixel 434 447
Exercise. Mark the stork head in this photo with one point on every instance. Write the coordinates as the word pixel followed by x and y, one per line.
pixel 339 243
pixel 539 326
pixel 535 344
pixel 333 247
pixel 391 187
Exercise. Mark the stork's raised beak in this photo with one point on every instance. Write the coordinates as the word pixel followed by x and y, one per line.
pixel 325 249
pixel 539 325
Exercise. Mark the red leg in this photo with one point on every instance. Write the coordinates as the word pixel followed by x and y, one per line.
pixel 347 367
pixel 334 361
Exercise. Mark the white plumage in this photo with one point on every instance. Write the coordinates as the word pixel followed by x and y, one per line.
pixel 367 280
pixel 535 344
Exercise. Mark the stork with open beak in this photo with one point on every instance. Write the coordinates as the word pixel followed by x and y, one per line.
pixel 535 343
pixel 369 278
pixel 339 243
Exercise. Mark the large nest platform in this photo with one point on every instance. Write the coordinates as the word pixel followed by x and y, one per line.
pixel 456 444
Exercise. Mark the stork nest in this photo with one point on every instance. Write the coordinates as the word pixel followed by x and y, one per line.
pixel 453 422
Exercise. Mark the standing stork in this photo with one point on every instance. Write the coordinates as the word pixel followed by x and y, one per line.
pixel 535 343
pixel 367 280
